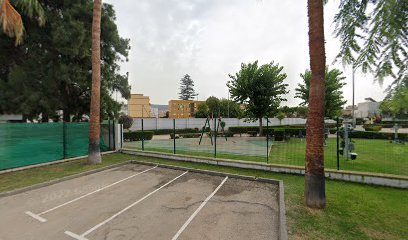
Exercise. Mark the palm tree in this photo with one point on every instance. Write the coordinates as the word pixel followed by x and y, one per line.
pixel 315 195
pixel 95 126
pixel 11 21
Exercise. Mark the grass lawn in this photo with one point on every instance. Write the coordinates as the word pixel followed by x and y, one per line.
pixel 377 156
pixel 354 211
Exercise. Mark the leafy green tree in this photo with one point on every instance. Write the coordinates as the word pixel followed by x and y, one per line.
pixel 396 102
pixel 213 104
pixel 51 72
pixel 294 112
pixel 12 22
pixel 229 108
pixel 202 111
pixel 260 88
pixel 280 116
pixel 373 34
pixel 187 88
pixel 334 100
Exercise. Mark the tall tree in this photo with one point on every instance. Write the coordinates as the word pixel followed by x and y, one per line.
pixel 315 193
pixel 373 34
pixel 187 88
pixel 213 104
pixel 334 100
pixel 49 72
pixel 260 88
pixel 95 127
pixel 11 21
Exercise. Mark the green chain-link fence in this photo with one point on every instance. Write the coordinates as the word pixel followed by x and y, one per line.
pixel 23 144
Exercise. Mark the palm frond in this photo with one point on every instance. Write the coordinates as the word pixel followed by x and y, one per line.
pixel 11 21
pixel 32 8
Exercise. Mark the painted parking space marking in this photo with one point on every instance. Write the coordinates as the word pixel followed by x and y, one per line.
pixel 198 210
pixel 82 236
pixel 41 219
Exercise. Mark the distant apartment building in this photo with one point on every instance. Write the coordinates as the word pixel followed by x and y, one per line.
pixel 367 110
pixel 139 106
pixel 183 108
pixel 159 111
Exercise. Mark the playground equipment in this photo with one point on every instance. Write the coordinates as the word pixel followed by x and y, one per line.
pixel 347 145
pixel 216 129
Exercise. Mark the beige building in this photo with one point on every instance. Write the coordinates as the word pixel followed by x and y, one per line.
pixel 183 108
pixel 139 106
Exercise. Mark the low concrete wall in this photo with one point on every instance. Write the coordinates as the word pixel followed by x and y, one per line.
pixel 358 177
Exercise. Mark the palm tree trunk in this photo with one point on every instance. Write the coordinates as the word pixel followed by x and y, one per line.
pixel 94 127
pixel 315 196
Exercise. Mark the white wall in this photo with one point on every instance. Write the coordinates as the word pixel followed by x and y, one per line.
pixel 166 123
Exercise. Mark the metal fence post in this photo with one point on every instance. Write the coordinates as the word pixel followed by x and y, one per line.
pixel 215 137
pixel 64 140
pixel 337 141
pixel 267 140
pixel 109 134
pixel 114 135
pixel 174 136
pixel 142 136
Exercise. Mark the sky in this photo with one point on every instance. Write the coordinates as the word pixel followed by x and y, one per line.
pixel 209 39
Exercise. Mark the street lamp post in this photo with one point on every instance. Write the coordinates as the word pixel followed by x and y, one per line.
pixel 353 114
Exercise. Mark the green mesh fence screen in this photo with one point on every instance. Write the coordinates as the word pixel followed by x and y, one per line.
pixel 24 144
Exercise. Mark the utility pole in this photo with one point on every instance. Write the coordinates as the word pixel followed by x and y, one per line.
pixel 353 114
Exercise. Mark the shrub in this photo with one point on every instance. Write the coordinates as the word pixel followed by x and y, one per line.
pixel 137 136
pixel 126 121
pixel 377 135
pixel 372 127
pixel 333 130
pixel 178 131
pixel 228 134
pixel 279 134
pixel 190 135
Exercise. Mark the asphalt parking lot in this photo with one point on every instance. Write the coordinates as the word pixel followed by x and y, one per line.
pixel 137 201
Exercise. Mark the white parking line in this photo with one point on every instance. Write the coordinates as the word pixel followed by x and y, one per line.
pixel 41 219
pixel 198 210
pixel 82 236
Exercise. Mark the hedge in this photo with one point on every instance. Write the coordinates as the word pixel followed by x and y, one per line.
pixel 137 136
pixel 377 135
pixel 178 131
pixel 372 127
pixel 292 130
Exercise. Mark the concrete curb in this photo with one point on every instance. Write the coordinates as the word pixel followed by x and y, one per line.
pixel 58 180
pixel 283 232
pixel 357 177
pixel 48 163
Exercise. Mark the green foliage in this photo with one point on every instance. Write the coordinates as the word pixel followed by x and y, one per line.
pixel 222 108
pixel 372 127
pixel 376 135
pixel 294 112
pixel 138 136
pixel 373 34
pixel 396 103
pixel 334 100
pixel 202 111
pixel 280 116
pixel 178 131
pixel 260 88
pixel 213 104
pixel 187 88
pixel 279 134
pixel 51 71
pixel 126 120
